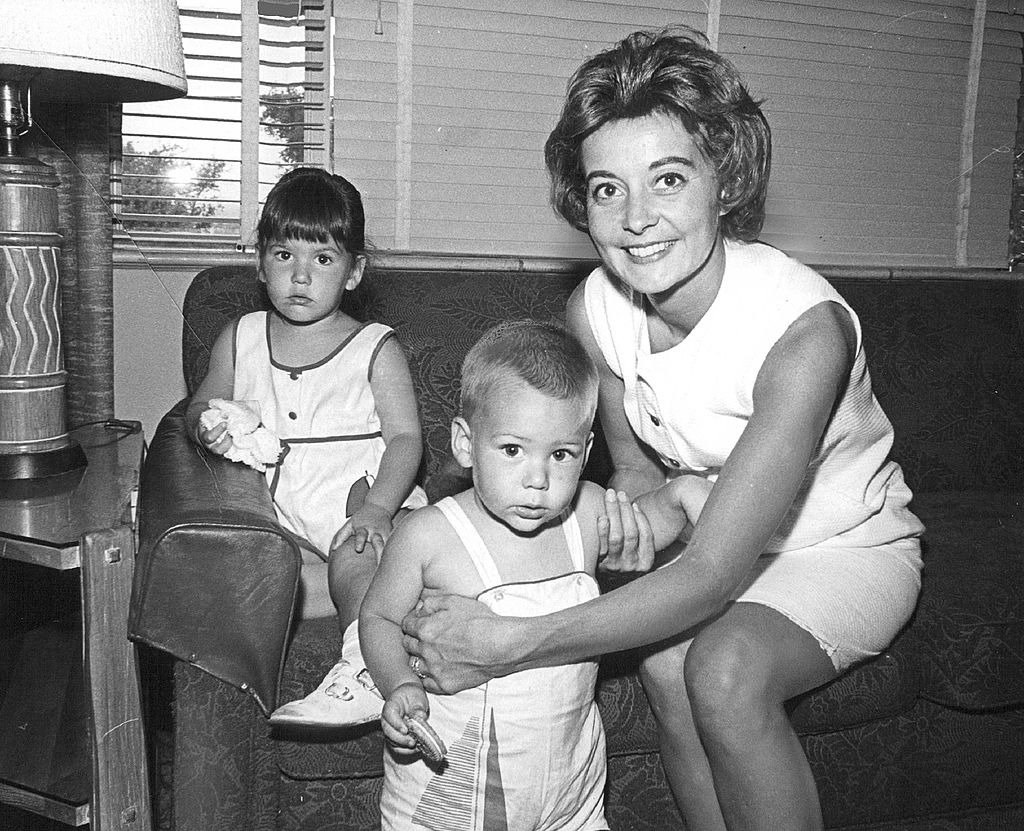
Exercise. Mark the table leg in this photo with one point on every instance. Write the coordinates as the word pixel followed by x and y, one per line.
pixel 120 789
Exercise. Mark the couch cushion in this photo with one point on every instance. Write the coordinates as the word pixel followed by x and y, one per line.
pixel 970 621
pixel 947 364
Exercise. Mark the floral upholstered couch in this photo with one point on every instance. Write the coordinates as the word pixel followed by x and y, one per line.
pixel 930 735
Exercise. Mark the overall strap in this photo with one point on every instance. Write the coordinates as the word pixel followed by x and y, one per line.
pixel 473 542
pixel 573 538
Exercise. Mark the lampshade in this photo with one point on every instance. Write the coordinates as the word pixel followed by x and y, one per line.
pixel 93 50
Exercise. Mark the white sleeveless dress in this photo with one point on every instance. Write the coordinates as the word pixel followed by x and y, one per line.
pixel 325 416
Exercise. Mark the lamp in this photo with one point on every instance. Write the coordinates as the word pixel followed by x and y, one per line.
pixel 102 51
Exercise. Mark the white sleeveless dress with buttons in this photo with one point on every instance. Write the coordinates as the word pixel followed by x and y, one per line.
pixel 325 416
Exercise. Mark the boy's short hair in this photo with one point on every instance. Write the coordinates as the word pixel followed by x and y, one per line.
pixel 544 355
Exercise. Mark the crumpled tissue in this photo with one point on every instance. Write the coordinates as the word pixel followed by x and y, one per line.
pixel 251 443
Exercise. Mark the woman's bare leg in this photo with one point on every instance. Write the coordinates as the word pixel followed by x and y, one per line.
pixel 682 754
pixel 739 671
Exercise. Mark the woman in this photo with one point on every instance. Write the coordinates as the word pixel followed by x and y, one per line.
pixel 725 361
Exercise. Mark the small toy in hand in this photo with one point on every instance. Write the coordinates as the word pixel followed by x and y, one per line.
pixel 251 443
pixel 427 741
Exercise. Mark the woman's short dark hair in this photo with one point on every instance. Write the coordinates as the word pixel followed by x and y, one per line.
pixel 672 72
pixel 310 204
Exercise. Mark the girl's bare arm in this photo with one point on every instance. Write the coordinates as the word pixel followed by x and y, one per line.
pixel 219 382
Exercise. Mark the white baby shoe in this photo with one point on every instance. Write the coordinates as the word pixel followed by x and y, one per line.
pixel 346 696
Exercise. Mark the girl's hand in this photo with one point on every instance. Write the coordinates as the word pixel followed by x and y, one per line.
pixel 405 700
pixel 625 538
pixel 216 439
pixel 370 524
pixel 460 642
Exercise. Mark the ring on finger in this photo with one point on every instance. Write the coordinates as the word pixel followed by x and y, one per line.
pixel 416 665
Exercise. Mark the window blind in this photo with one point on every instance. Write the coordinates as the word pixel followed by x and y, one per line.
pixel 441 120
pixel 181 178
pixel 866 102
pixel 486 82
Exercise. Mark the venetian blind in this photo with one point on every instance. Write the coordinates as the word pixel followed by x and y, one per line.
pixel 194 169
pixel 867 104
pixel 441 120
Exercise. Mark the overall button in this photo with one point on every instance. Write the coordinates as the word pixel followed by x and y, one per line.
pixel 654 420
pixel 294 376
pixel 674 462
pixel 499 596
pixel 292 416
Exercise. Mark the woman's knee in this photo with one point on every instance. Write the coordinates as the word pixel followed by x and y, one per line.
pixel 726 675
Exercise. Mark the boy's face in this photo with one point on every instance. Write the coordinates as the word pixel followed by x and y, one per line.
pixel 527 450
pixel 306 280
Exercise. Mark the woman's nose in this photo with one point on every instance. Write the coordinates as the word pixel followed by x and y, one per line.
pixel 638 214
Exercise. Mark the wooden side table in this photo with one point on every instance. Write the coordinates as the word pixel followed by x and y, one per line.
pixel 72 745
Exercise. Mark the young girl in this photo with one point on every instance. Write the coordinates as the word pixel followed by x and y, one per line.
pixel 339 396
pixel 526 751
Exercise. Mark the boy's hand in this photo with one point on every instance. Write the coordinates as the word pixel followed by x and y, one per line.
pixel 370 524
pixel 625 539
pixel 405 700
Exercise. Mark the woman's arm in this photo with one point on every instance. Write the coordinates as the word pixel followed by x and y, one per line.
pixel 634 470
pixel 794 394
pixel 219 382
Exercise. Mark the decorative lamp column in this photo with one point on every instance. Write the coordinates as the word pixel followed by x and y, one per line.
pixel 106 51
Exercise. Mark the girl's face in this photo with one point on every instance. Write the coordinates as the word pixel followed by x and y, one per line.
pixel 527 450
pixel 652 202
pixel 306 280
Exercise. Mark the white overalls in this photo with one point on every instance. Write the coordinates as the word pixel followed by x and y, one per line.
pixel 525 752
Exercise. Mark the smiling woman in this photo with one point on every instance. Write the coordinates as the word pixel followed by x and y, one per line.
pixel 722 362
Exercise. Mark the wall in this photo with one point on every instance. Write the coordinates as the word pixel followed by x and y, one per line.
pixel 147 343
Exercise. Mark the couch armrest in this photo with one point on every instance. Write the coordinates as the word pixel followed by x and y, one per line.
pixel 216 577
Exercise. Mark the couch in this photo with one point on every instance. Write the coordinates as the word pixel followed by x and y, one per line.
pixel 928 735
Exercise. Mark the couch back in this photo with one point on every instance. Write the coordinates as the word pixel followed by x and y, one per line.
pixel 946 357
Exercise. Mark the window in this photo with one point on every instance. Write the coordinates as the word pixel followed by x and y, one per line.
pixel 193 170
pixel 894 123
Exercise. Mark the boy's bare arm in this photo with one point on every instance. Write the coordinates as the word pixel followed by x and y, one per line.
pixel 393 593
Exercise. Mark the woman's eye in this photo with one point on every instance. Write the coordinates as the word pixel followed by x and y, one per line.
pixel 672 180
pixel 605 190
pixel 510 450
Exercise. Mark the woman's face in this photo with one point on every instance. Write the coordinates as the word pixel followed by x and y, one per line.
pixel 652 202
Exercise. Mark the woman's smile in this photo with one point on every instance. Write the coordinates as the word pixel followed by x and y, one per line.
pixel 653 204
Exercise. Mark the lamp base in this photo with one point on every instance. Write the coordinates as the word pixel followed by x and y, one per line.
pixel 39 464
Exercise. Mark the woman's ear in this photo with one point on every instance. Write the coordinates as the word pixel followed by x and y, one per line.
pixel 462 442
pixel 355 276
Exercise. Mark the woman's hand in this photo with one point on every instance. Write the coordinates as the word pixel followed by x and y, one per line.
pixel 460 642
pixel 625 539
